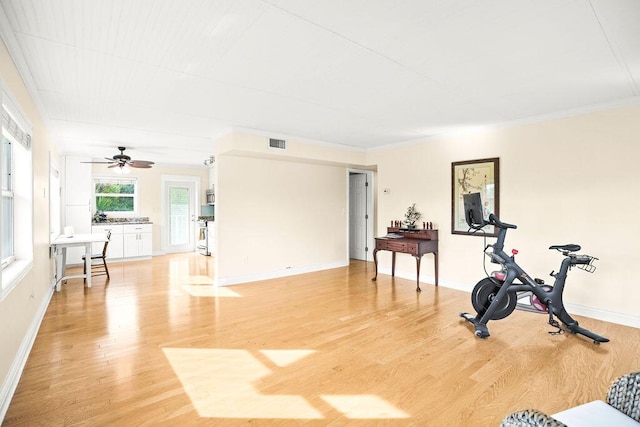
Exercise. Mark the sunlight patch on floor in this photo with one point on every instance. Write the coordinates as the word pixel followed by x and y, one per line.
pixel 122 314
pixel 284 358
pixel 210 291
pixel 221 384
pixel 198 280
pixel 364 406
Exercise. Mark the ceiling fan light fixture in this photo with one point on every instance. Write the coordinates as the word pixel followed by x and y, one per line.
pixel 122 170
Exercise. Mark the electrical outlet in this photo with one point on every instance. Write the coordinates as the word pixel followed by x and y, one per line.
pixel 387 191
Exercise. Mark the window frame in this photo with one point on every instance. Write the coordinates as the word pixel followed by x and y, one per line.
pixel 110 178
pixel 9 194
pixel 15 268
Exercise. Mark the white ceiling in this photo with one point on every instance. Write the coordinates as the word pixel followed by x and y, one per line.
pixel 166 78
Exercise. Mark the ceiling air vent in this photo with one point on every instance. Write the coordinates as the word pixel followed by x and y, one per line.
pixel 277 143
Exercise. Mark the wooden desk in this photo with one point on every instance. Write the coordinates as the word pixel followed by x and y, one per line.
pixel 60 245
pixel 414 242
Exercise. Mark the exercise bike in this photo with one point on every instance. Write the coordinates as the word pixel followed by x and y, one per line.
pixel 496 296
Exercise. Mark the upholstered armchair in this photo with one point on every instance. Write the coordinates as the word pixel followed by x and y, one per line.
pixel 623 396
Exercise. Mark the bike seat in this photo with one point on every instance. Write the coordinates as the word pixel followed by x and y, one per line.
pixel 570 247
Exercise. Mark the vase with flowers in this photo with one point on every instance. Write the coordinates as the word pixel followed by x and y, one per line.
pixel 411 216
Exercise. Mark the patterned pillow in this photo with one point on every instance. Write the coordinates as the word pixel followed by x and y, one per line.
pixel 530 417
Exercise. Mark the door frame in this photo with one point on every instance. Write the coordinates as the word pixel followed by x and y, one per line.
pixel 370 211
pixel 164 179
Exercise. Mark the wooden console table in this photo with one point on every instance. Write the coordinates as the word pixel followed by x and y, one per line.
pixel 414 242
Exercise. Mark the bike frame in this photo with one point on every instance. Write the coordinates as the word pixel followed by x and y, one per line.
pixel 552 299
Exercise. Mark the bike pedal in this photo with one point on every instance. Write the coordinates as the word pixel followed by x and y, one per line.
pixel 555 324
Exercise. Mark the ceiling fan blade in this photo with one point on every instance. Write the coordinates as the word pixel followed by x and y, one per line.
pixel 122 160
pixel 140 163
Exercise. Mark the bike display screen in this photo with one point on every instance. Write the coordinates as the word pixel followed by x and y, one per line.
pixel 473 209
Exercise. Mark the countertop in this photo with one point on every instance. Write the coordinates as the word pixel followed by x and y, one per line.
pixel 119 221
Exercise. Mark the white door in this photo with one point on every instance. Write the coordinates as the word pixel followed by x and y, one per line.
pixel 357 216
pixel 180 211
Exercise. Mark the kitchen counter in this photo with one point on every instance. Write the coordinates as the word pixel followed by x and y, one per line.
pixel 115 221
pixel 120 222
pixel 129 237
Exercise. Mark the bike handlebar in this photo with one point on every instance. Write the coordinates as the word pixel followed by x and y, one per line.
pixel 493 220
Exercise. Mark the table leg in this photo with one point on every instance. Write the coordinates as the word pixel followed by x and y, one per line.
pixel 87 261
pixel 435 264
pixel 60 260
pixel 418 258
pixel 375 261
pixel 393 264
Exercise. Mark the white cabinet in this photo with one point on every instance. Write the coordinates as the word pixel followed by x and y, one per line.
pixel 127 240
pixel 78 217
pixel 211 230
pixel 77 200
pixel 78 183
pixel 115 249
pixel 138 240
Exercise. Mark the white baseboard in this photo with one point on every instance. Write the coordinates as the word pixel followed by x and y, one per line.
pixel 424 278
pixel 606 315
pixel 15 371
pixel 581 310
pixel 234 280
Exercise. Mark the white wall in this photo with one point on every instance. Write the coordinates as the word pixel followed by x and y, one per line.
pixel 571 180
pixel 280 212
pixel 276 218
pixel 23 308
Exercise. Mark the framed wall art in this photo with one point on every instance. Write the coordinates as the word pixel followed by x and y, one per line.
pixel 475 176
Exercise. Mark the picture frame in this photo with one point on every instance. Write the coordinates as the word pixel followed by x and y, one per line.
pixel 475 176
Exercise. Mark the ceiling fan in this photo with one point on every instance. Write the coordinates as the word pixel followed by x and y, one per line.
pixel 122 160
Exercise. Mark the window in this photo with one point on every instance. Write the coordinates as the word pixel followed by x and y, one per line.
pixel 116 195
pixel 179 198
pixel 16 210
pixel 7 203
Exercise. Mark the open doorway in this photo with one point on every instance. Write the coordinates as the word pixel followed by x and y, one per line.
pixel 360 214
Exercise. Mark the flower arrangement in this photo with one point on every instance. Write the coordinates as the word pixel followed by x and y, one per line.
pixel 411 216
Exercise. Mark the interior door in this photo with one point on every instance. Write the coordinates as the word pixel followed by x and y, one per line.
pixel 358 216
pixel 180 211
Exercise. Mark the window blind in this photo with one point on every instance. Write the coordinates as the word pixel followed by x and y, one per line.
pixel 14 129
pixel 119 181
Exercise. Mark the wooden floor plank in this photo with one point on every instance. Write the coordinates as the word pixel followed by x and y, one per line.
pixel 159 345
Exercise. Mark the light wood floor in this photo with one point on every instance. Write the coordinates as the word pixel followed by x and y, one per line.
pixel 158 345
